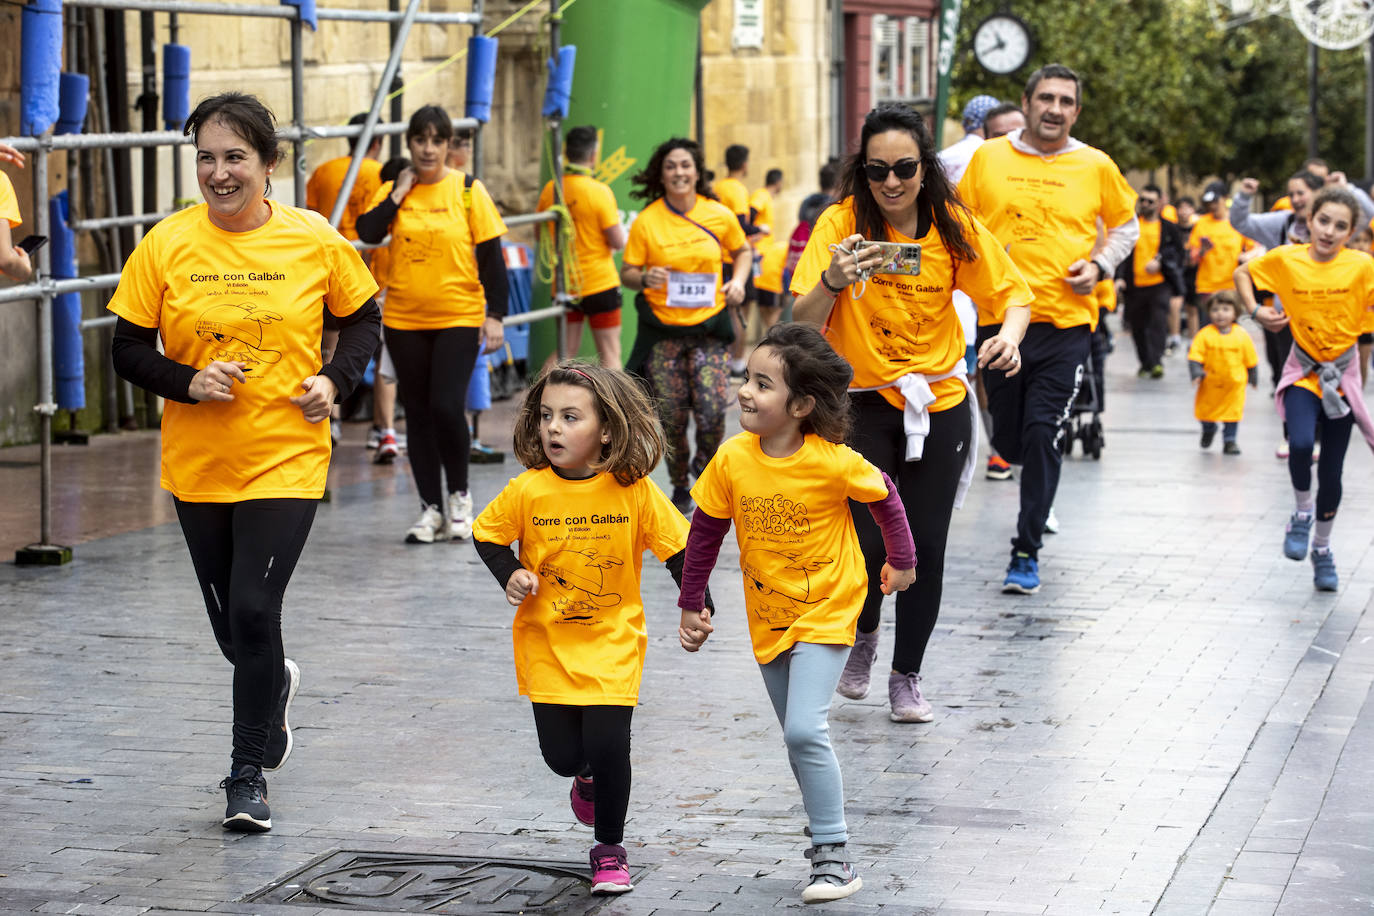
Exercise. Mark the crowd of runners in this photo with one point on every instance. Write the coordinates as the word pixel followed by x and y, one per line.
pixel 937 298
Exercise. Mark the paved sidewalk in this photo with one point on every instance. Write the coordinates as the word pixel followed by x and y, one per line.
pixel 1176 724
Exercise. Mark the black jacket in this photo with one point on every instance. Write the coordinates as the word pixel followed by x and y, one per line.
pixel 1173 259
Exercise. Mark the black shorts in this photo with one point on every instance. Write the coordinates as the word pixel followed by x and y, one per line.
pixel 600 303
pixel 1366 339
pixel 769 299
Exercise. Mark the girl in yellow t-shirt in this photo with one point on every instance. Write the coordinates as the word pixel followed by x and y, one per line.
pixel 236 289
pixel 901 332
pixel 446 296
pixel 1327 291
pixel 673 259
pixel 786 483
pixel 584 513
pixel 1221 361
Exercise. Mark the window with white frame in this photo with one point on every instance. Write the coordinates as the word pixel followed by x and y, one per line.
pixel 901 61
pixel 917 47
pixel 886 60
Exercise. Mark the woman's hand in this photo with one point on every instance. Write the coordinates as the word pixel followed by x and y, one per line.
pixel 214 381
pixel 1270 318
pixel 896 580
pixel 522 582
pixel 1249 186
pixel 1000 352
pixel 696 626
pixel 11 155
pixel 654 277
pixel 734 292
pixel 844 268
pixel 404 182
pixel 493 335
pixel 318 400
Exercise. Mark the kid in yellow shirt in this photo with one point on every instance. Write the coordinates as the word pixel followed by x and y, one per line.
pixel 786 482
pixel 584 513
pixel 1221 361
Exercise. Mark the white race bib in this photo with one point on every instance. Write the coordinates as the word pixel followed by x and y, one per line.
pixel 691 291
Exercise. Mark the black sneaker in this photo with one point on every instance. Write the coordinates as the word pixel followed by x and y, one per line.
pixel 1230 448
pixel 279 741
pixel 682 499
pixel 1208 434
pixel 247 795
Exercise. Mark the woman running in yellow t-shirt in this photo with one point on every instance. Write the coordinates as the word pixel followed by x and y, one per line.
pixel 236 289
pixel 446 296
pixel 584 513
pixel 673 258
pixel 1327 292
pixel 787 483
pixel 902 334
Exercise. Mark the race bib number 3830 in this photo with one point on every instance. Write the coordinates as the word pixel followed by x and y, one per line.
pixel 691 291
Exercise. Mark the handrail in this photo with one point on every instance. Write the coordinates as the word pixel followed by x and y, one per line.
pixel 272 12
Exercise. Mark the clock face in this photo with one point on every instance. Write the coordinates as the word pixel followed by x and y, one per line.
pixel 1002 43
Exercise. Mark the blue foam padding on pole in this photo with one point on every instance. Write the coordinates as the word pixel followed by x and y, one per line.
pixel 40 66
pixel 69 363
pixel 559 93
pixel 307 8
pixel 481 76
pixel 76 89
pixel 176 85
pixel 479 387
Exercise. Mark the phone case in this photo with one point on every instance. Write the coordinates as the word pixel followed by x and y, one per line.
pixel 898 258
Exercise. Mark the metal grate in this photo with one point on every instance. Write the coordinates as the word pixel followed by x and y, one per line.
pixel 442 884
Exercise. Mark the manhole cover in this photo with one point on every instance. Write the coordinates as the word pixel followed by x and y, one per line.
pixel 455 885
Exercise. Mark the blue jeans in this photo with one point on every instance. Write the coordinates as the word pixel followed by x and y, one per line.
pixel 1228 430
pixel 800 682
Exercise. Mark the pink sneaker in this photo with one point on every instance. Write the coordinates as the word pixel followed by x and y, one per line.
pixel 610 873
pixel 583 798
pixel 854 679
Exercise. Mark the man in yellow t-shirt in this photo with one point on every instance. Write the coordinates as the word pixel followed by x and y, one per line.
pixel 1041 193
pixel 322 190
pixel 597 236
pixel 771 249
pixel 735 196
pixel 1215 247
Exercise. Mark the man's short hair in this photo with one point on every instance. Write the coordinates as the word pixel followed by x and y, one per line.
pixel 1317 161
pixel 830 173
pixel 359 118
pixel 1153 189
pixel 1004 108
pixel 1055 72
pixel 580 143
pixel 773 177
pixel 736 156
pixel 1185 199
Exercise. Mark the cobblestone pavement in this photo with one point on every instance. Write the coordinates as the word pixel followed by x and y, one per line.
pixel 1176 724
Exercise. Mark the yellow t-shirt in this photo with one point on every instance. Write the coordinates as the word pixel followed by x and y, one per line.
pixel 1283 203
pixel 9 204
pixel 905 324
pixel 432 279
pixel 772 251
pixel 1044 210
pixel 1146 249
pixel 1105 295
pixel 580 638
pixel 1168 212
pixel 322 191
pixel 1226 359
pixel 593 208
pixel 762 204
pixel 804 577
pixel 734 195
pixel 1329 305
pixel 1217 265
pixel 661 237
pixel 255 297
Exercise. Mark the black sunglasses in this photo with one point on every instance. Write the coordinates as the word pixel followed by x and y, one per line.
pixel 906 169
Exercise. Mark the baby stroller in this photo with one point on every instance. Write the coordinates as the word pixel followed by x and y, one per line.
pixel 1084 423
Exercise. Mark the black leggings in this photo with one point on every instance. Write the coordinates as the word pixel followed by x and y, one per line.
pixel 244 554
pixel 927 489
pixel 433 369
pixel 1306 418
pixel 575 739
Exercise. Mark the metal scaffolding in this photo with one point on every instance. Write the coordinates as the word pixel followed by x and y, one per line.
pixel 43 288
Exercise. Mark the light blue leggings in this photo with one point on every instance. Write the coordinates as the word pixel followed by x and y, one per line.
pixel 800 683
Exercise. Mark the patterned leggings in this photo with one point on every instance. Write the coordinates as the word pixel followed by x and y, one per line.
pixel 690 377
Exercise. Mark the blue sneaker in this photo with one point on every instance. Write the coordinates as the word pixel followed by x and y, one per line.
pixel 1296 536
pixel 1324 571
pixel 1023 575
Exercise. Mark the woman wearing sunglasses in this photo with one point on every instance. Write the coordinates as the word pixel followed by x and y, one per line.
pixel 896 324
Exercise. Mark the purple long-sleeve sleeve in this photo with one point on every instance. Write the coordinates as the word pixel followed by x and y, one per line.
pixel 703 547
pixel 890 515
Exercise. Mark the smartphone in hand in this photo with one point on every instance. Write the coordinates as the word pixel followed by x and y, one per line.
pixel 32 243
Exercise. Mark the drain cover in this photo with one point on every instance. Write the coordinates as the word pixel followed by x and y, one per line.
pixel 454 885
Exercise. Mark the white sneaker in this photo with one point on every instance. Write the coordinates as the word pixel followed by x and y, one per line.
pixel 1051 523
pixel 428 528
pixel 459 516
